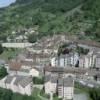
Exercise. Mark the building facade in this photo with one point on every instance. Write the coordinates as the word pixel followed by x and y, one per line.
pixel 18 84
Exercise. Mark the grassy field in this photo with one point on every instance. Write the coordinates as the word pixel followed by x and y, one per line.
pixel 9 53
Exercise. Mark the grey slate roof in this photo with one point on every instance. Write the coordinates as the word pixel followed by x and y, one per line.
pixel 60 82
pixel 18 79
pixel 9 79
pixel 47 78
pixel 22 80
pixel 52 79
pixel 66 82
pixel 25 81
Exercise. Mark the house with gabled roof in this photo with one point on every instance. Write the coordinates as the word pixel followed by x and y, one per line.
pixel 17 83
pixel 50 84
pixel 66 88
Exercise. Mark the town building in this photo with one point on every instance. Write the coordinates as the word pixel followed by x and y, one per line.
pixel 50 84
pixel 97 64
pixel 22 68
pixel 85 61
pixel 63 86
pixel 18 84
pixel 91 60
pixel 70 59
pixel 66 88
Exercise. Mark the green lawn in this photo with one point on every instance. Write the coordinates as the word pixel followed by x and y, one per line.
pixel 78 91
pixel 9 53
pixel 39 94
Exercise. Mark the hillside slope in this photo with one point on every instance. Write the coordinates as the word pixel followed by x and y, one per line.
pixel 48 14
pixel 51 16
pixel 92 12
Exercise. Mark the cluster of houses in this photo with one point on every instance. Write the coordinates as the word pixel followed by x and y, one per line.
pixel 70 59
pixel 18 83
pixel 20 77
pixel 91 60
pixel 59 72
pixel 63 86
pixel 21 35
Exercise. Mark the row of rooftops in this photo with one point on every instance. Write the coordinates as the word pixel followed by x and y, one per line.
pixel 52 42
pixel 65 70
pixel 30 55
pixel 76 71
pixel 60 81
pixel 22 66
pixel 67 82
pixel 16 79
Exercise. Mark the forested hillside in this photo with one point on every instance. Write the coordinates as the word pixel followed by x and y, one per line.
pixel 92 12
pixel 47 14
pixel 52 17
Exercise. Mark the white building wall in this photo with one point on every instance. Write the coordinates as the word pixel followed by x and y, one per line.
pixel 28 89
pixel 47 87
pixel 60 91
pixel 34 73
pixel 53 62
pixel 81 63
pixel 53 87
pixel 12 85
pixel 8 86
pixel 86 62
pixel 68 93
pixel 21 89
pixel 16 45
pixel 15 88
pixel 64 61
pixel 2 83
pixel 50 87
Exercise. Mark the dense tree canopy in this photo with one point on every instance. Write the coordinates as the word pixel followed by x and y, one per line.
pixel 1 49
pixel 94 94
pixel 38 80
pixel 47 14
pixel 3 72
pixel 92 9
pixel 52 17
pixel 9 95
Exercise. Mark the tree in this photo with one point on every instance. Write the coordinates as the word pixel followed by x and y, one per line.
pixel 82 50
pixel 94 94
pixel 1 49
pixel 5 94
pixel 38 80
pixel 3 72
pixel 32 38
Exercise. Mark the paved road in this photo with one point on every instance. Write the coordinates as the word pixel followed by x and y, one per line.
pixel 88 83
pixel 81 96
